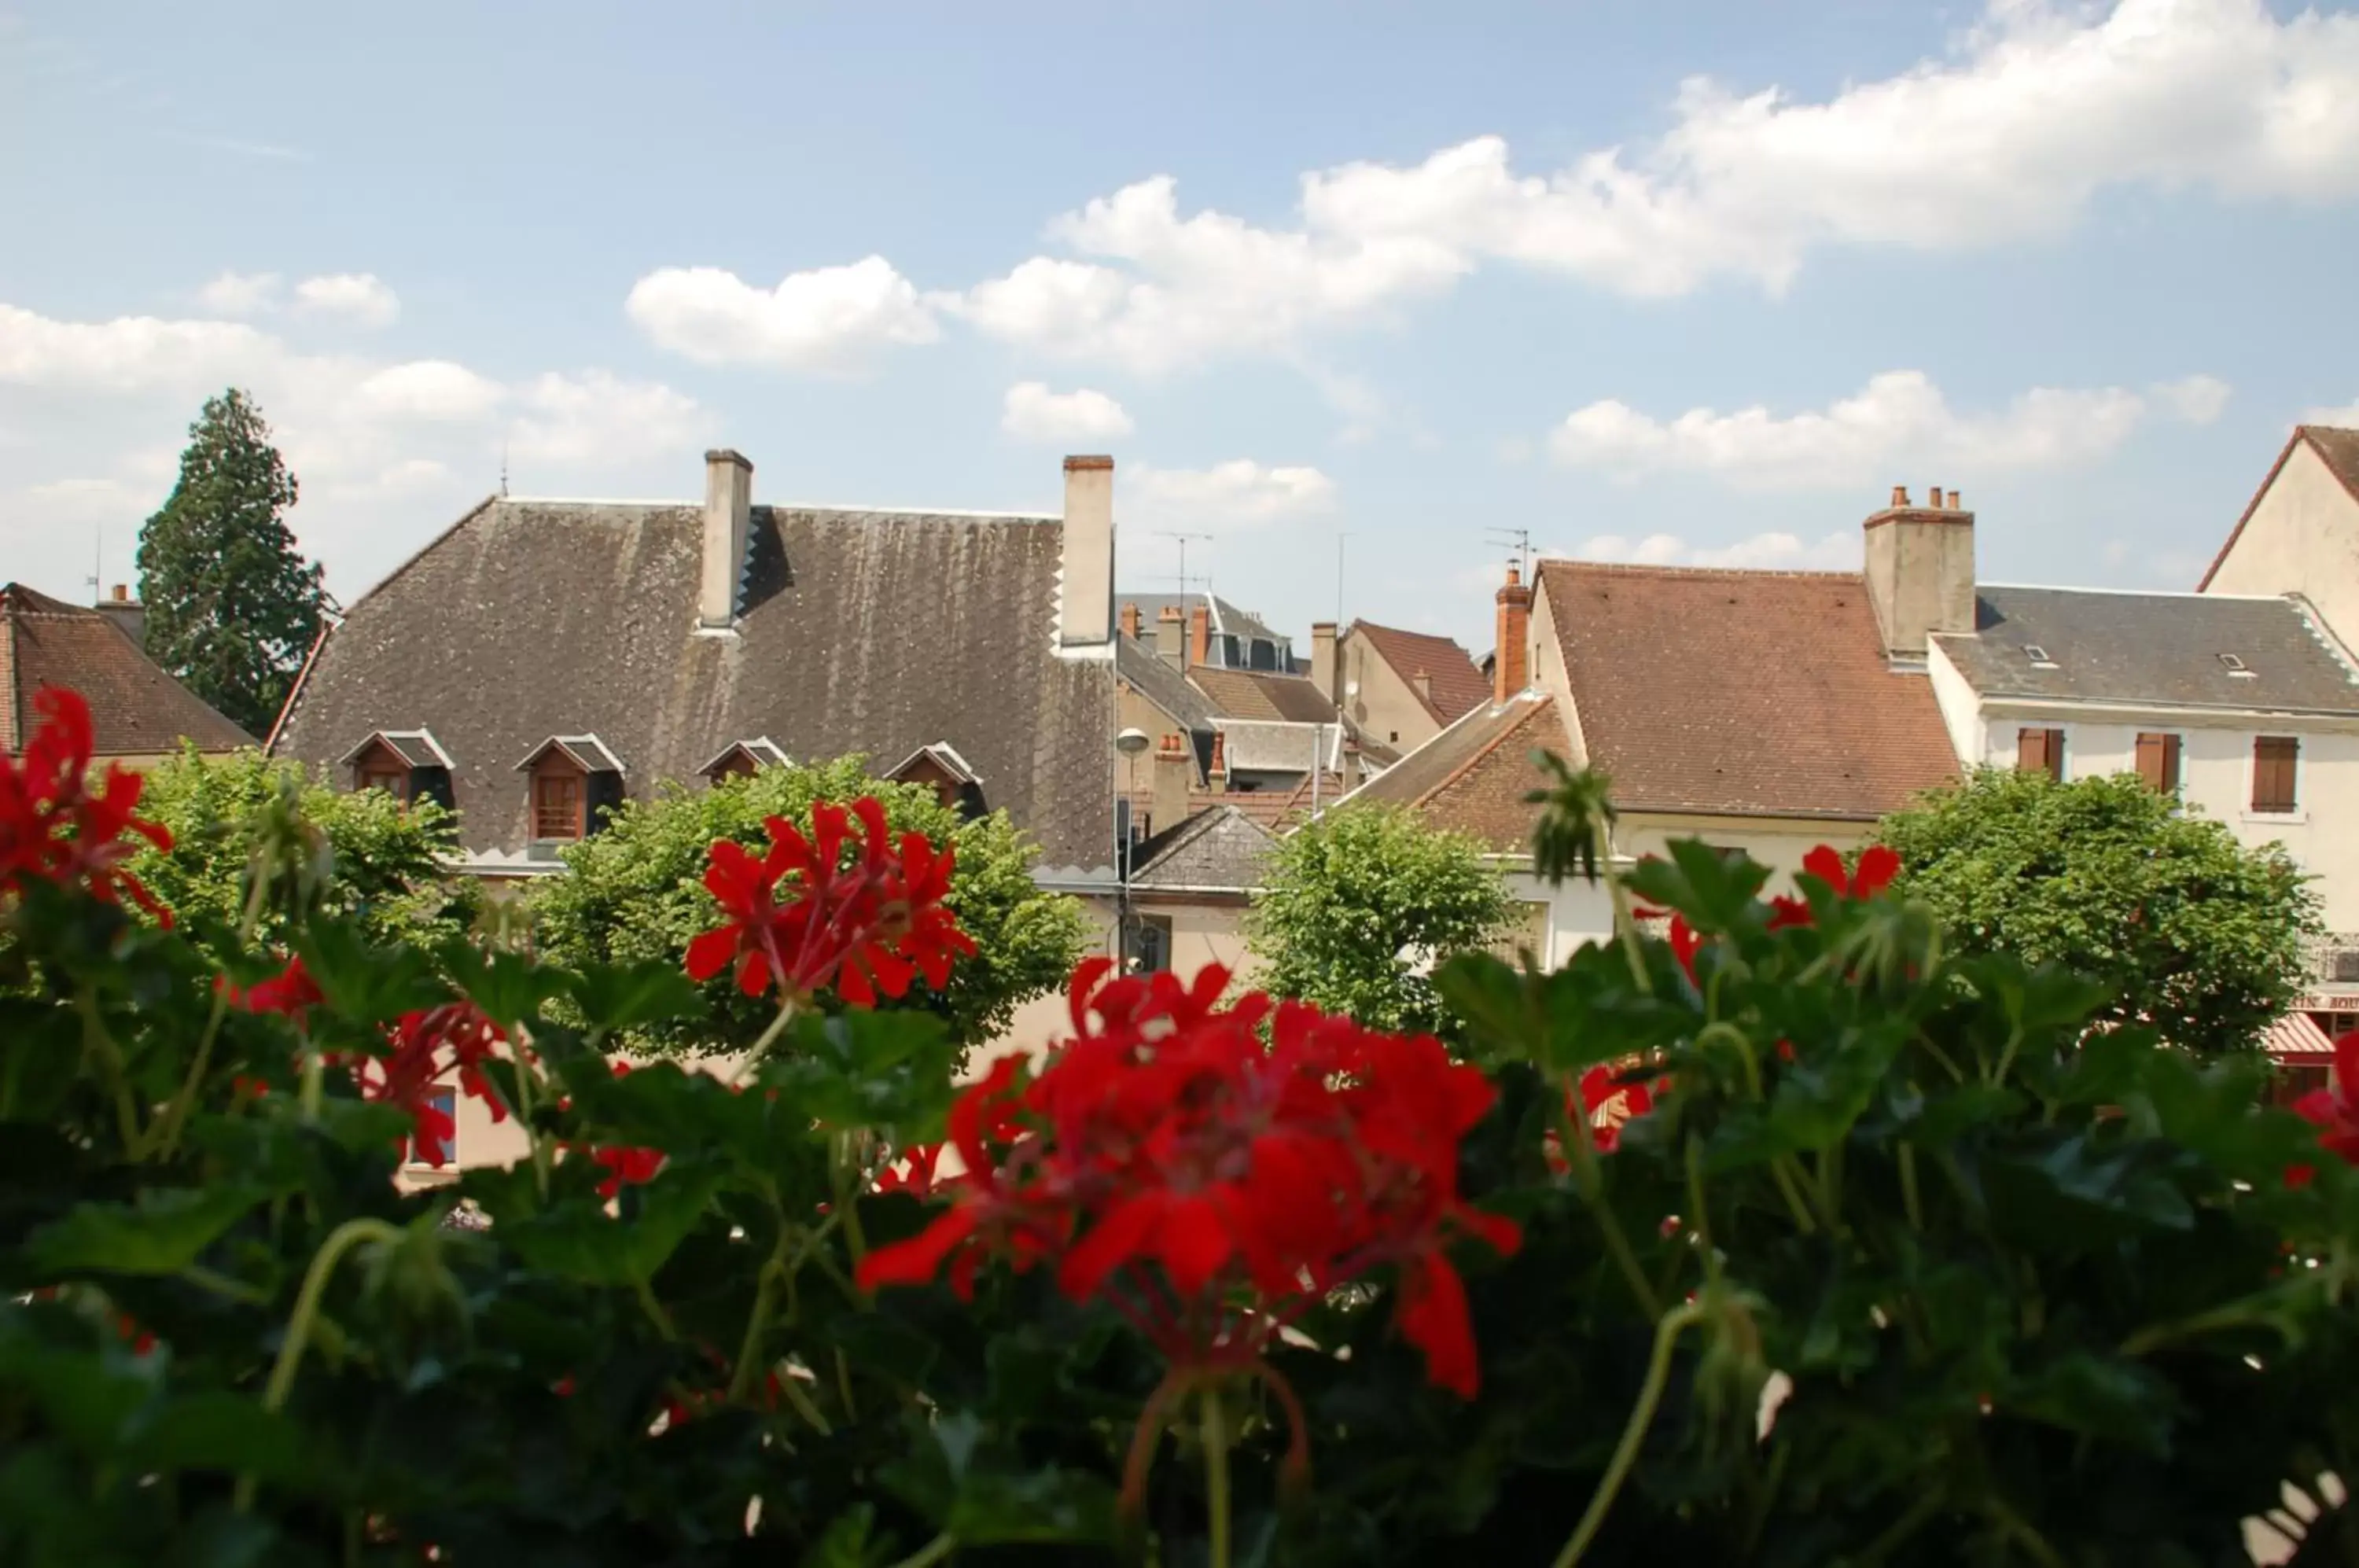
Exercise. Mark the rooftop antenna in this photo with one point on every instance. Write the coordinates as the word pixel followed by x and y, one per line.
pixel 1520 541
pixel 1341 535
pixel 1182 540
pixel 97 560
pixel 504 468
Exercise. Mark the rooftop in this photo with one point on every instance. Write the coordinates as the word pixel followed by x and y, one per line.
pixel 1262 694
pixel 136 709
pixel 1457 686
pixel 1473 776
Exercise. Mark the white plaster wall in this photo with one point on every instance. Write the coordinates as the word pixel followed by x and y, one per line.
pixel 1201 933
pixel 1961 705
pixel 2215 778
pixel 2301 538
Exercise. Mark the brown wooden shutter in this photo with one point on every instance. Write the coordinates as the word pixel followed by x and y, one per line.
pixel 2041 751
pixel 2275 760
pixel 2158 762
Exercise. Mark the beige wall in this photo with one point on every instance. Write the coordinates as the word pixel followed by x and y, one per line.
pixel 1202 932
pixel 2301 538
pixel 1385 708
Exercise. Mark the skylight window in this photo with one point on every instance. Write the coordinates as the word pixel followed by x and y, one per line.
pixel 2038 657
pixel 2237 667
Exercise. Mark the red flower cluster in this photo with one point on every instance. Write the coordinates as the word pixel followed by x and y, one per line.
pixel 1212 1171
pixel 624 1167
pixel 870 926
pixel 2333 1110
pixel 291 992
pixel 1877 867
pixel 55 826
pixel 407 1075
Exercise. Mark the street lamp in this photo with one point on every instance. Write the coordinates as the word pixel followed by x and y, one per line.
pixel 1130 743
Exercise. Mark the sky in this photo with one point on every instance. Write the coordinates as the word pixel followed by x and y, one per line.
pixel 1355 292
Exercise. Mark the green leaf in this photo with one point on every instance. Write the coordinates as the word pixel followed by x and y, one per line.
pixel 509 989
pixel 2079 1193
pixel 578 1240
pixel 162 1233
pixel 984 1497
pixel 619 997
pixel 220 1432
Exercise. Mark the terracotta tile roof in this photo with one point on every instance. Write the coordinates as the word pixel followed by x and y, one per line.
pixel 1259 695
pixel 2337 447
pixel 1473 776
pixel 1742 693
pixel 1457 685
pixel 867 632
pixel 136 709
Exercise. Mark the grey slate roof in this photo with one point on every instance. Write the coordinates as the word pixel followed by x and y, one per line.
pixel 1258 746
pixel 1219 848
pixel 2159 649
pixel 1227 620
pixel 869 632
pixel 1162 685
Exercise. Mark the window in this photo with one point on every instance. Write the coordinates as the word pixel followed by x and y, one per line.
pixel 2158 762
pixel 378 774
pixel 556 805
pixel 1151 944
pixel 446 1101
pixel 1527 932
pixel 2041 751
pixel 2342 966
pixel 2275 762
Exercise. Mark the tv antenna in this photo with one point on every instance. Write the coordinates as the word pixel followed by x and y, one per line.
pixel 1518 539
pixel 1181 539
pixel 97 558
pixel 504 468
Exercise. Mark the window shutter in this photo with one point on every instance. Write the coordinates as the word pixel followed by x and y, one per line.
pixel 2158 762
pixel 2031 750
pixel 2275 763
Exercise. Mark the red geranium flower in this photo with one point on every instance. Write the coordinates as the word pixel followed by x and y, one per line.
pixel 870 926
pixel 1609 1104
pixel 291 992
pixel 1878 864
pixel 407 1076
pixel 2335 1110
pixel 625 1167
pixel 1212 1172
pixel 55 826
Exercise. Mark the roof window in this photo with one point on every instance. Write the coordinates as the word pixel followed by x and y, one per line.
pixel 574 781
pixel 408 765
pixel 2237 667
pixel 2038 657
pixel 740 758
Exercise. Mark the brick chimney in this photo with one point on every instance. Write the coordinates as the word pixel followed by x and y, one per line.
pixel 126 611
pixel 728 525
pixel 1921 571
pixel 1219 772
pixel 1324 672
pixel 1171 637
pixel 1130 622
pixel 1199 634
pixel 1085 598
pixel 1175 770
pixel 1511 658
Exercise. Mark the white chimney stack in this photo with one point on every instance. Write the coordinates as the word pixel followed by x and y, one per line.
pixel 1085 606
pixel 728 526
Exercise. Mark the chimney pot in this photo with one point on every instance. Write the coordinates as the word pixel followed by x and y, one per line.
pixel 1170 637
pixel 728 524
pixel 1085 599
pixel 1199 634
pixel 1936 502
pixel 1957 502
pixel 123 593
pixel 1899 496
pixel 1130 622
pixel 1511 659
pixel 1219 768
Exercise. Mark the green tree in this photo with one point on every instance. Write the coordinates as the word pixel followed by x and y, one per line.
pixel 368 857
pixel 2189 931
pixel 232 606
pixel 1362 904
pixel 635 891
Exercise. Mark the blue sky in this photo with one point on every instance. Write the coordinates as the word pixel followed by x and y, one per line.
pixel 1681 282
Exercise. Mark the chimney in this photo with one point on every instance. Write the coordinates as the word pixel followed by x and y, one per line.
pixel 1920 571
pixel 728 521
pixel 1511 658
pixel 1085 602
pixel 1175 768
pixel 1325 674
pixel 126 611
pixel 1199 634
pixel 1169 646
pixel 1130 622
pixel 1219 772
pixel 1351 764
pixel 1424 684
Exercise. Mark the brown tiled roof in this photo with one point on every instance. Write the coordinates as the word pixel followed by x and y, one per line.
pixel 135 710
pixel 864 632
pixel 1473 776
pixel 1742 693
pixel 1457 687
pixel 2337 447
pixel 1260 694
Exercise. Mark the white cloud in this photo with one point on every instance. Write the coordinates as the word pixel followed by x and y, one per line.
pixel 241 293
pixel 362 299
pixel 2344 418
pixel 596 419
pixel 1032 412
pixel 1837 551
pixel 1238 494
pixel 127 354
pixel 2198 399
pixel 1899 420
pixel 829 318
pixel 427 389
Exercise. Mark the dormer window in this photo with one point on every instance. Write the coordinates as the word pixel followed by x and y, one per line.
pixel 740 758
pixel 954 781
pixel 572 782
pixel 408 765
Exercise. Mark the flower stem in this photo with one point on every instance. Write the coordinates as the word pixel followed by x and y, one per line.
pixel 741 1381
pixel 168 1127
pixel 934 1551
pixel 1634 1432
pixel 341 1240
pixel 97 1042
pixel 1587 1180
pixel 1216 1474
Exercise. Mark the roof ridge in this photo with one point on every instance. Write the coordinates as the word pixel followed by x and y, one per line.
pixel 1644 568
pixel 1543 699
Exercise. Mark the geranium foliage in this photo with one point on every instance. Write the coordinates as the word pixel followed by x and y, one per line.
pixel 1791 1238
